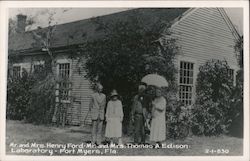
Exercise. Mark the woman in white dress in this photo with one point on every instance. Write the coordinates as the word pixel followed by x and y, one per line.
pixel 114 118
pixel 158 123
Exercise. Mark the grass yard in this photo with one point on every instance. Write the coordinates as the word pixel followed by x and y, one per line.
pixel 22 133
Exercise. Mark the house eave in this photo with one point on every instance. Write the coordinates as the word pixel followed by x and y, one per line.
pixel 40 51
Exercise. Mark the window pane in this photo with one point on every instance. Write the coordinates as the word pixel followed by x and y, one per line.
pixel 191 80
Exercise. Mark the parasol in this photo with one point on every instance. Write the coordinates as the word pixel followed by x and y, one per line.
pixel 155 80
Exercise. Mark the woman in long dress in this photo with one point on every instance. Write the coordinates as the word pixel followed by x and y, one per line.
pixel 114 118
pixel 158 123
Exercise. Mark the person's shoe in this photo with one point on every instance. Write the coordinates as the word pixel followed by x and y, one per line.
pixel 88 142
pixel 105 142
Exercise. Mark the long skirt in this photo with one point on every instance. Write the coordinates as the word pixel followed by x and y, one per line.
pixel 158 129
pixel 113 128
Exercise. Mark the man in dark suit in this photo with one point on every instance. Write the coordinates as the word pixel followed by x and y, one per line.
pixel 138 114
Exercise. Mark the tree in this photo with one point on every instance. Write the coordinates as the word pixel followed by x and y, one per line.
pixel 12 27
pixel 128 51
pixel 44 38
pixel 43 87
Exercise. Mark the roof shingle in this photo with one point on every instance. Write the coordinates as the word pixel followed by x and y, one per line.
pixel 81 31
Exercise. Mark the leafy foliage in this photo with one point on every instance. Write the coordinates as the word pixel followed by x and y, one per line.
pixel 179 119
pixel 239 51
pixel 214 90
pixel 31 96
pixel 18 96
pixel 42 103
pixel 128 51
pixel 236 127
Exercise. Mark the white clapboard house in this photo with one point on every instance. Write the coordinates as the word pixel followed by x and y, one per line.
pixel 203 34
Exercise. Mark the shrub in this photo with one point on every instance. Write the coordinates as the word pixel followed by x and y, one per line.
pixel 42 103
pixel 178 120
pixel 31 97
pixel 18 96
pixel 214 96
pixel 236 110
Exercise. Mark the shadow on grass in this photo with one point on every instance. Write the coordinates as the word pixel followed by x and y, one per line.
pixel 80 131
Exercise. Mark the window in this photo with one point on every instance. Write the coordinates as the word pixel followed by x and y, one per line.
pixel 64 84
pixel 16 71
pixel 64 70
pixel 231 74
pixel 186 80
pixel 64 91
pixel 38 68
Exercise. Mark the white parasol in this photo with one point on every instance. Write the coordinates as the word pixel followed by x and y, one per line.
pixel 155 80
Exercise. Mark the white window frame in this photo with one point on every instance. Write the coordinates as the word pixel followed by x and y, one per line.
pixel 24 66
pixel 195 71
pixel 17 65
pixel 58 62
pixel 41 62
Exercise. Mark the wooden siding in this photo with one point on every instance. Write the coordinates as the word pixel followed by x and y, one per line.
pixel 204 35
pixel 78 107
pixel 81 96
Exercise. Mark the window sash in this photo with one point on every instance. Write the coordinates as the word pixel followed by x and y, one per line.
pixel 64 87
pixel 38 67
pixel 64 91
pixel 64 70
pixel 17 71
pixel 231 73
pixel 186 81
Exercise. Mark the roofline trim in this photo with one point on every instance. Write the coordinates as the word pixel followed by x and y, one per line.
pixel 30 52
pixel 229 23
pixel 183 16
pixel 223 14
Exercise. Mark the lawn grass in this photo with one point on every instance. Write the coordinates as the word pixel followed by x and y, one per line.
pixel 19 132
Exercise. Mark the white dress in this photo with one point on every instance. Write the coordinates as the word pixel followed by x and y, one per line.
pixel 114 117
pixel 158 123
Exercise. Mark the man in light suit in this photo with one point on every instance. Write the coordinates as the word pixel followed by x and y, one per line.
pixel 97 110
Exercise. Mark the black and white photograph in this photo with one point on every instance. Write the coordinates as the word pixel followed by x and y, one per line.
pixel 125 81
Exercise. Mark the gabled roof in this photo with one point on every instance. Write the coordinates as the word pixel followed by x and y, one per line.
pixel 79 32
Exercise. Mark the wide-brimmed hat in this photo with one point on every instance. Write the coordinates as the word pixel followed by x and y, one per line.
pixel 114 93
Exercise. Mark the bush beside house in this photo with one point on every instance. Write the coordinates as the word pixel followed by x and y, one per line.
pixel 216 105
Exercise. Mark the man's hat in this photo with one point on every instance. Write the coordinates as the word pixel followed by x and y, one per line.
pixel 143 84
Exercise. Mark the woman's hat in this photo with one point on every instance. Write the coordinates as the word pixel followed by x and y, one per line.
pixel 114 93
